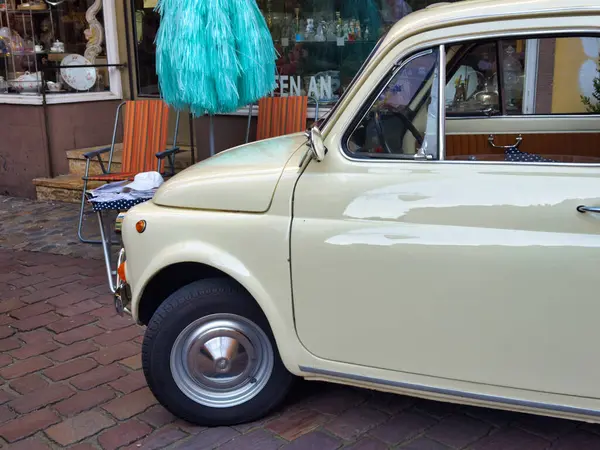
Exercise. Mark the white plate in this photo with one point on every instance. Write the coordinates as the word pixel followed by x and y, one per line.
pixel 81 78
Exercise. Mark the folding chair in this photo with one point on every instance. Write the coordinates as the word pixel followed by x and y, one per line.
pixel 144 148
pixel 278 116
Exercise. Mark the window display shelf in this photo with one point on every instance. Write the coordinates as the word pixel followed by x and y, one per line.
pixel 15 54
pixel 27 11
pixel 37 37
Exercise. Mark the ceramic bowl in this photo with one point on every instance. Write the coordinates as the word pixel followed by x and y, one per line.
pixel 53 86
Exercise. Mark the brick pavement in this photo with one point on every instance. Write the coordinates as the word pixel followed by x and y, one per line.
pixel 49 227
pixel 70 377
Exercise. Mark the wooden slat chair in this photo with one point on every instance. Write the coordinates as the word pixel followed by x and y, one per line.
pixel 145 133
pixel 278 116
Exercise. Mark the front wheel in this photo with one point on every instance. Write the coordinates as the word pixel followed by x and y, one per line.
pixel 210 358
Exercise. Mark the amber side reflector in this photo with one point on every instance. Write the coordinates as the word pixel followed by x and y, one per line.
pixel 121 271
pixel 140 226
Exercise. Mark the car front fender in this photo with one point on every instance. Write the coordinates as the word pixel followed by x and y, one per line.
pixel 257 258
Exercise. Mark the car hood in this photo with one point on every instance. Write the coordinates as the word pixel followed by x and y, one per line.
pixel 242 179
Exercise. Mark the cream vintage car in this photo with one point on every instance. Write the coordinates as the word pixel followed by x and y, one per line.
pixel 436 235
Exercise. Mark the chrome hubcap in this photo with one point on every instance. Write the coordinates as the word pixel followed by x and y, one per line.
pixel 222 360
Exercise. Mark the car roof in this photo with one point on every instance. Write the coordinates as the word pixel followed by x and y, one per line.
pixel 475 11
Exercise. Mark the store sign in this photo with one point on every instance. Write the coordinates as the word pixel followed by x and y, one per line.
pixel 317 88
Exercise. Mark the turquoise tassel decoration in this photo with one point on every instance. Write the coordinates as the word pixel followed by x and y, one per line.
pixel 256 52
pixel 213 56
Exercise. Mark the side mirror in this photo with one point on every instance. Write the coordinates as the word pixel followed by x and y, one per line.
pixel 317 145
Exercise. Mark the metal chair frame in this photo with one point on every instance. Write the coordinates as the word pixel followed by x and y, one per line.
pixel 168 154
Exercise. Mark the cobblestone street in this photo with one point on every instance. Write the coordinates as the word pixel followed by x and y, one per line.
pixel 49 227
pixel 70 373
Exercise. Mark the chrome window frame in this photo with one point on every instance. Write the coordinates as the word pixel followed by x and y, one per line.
pixel 366 108
pixel 441 103
pixel 440 45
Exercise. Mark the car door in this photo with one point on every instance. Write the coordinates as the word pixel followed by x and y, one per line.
pixel 472 270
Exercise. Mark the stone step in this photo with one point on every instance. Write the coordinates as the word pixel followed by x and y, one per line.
pixel 64 188
pixel 77 161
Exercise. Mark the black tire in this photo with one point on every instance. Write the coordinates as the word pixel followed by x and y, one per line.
pixel 192 302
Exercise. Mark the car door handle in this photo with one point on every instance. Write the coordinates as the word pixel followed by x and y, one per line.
pixel 588 209
pixel 517 143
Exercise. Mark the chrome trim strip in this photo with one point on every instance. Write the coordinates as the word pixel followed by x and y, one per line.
pixel 530 117
pixel 461 39
pixel 532 55
pixel 442 103
pixel 454 393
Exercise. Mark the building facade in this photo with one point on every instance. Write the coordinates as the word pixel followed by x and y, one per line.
pixel 47 109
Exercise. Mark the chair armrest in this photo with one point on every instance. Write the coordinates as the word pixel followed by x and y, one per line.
pixel 94 153
pixel 169 152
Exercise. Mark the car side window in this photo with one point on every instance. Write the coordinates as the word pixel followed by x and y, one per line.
pixel 524 77
pixel 554 80
pixel 400 121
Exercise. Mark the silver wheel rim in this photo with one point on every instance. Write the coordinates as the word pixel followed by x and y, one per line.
pixel 222 360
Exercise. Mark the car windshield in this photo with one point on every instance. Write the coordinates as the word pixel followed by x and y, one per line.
pixel 322 122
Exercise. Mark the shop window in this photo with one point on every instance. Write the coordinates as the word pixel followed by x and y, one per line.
pixel 321 44
pixel 146 22
pixel 40 39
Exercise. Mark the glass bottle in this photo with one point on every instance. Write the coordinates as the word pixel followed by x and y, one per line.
pixel 310 29
pixel 298 32
pixel 367 32
pixel 269 16
pixel 321 31
pixel 513 72
pixel 351 30
pixel 286 31
pixel 339 28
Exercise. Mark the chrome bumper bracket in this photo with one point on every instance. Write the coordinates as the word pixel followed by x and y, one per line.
pixel 122 299
pixel 122 296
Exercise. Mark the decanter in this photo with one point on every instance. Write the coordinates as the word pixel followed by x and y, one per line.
pixel 310 29
pixel 367 33
pixel 321 35
pixel 339 28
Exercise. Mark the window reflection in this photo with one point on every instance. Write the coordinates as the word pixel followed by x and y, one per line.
pixel 146 27
pixel 38 36
pixel 322 43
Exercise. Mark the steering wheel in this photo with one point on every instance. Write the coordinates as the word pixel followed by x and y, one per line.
pixel 407 123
